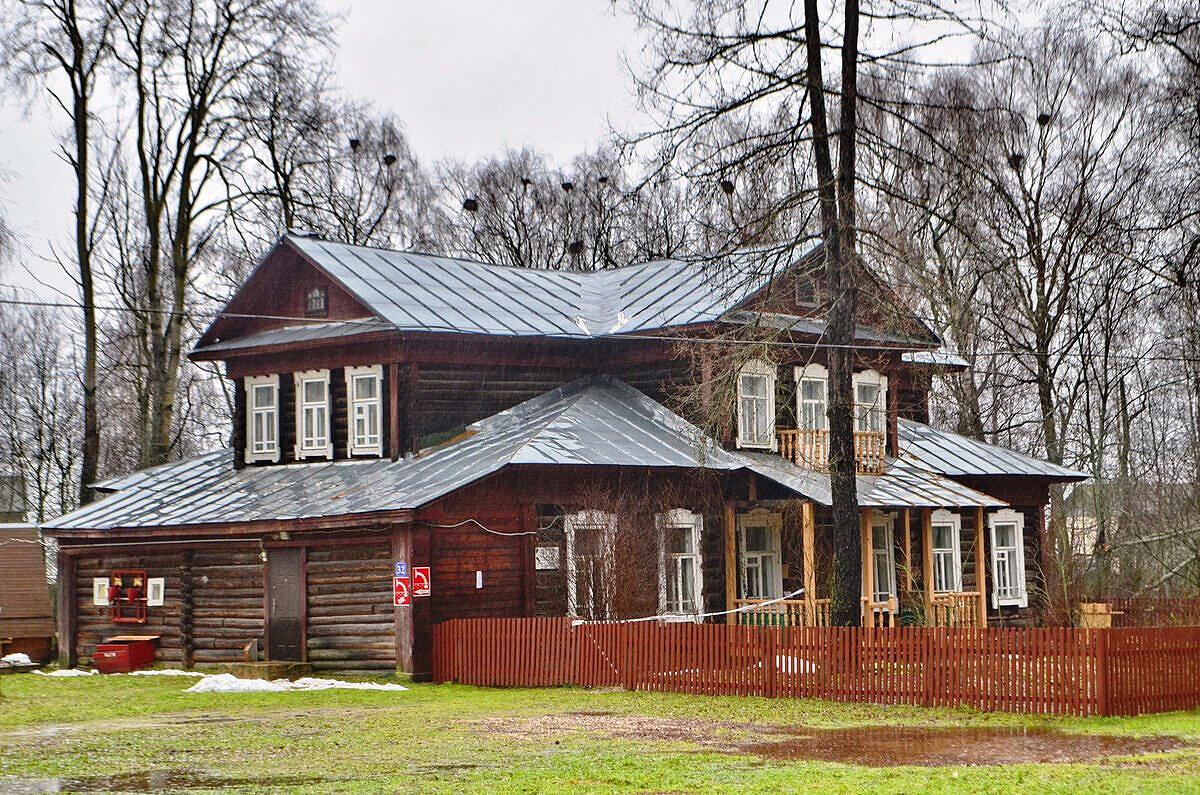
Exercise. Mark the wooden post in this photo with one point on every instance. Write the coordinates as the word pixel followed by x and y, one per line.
pixel 730 562
pixel 868 574
pixel 980 570
pixel 412 430
pixel 395 442
pixel 529 523
pixel 402 551
pixel 186 602
pixel 927 560
pixel 808 519
pixel 66 609
pixel 908 579
pixel 422 608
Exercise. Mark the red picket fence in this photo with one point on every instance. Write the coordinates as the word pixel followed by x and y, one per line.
pixel 1056 671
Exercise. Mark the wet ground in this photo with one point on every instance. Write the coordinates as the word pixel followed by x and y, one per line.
pixel 871 746
pixel 156 781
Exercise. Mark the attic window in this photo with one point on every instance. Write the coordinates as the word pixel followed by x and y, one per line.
pixel 808 294
pixel 316 302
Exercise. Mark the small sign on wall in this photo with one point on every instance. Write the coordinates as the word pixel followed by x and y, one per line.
pixel 422 585
pixel 100 591
pixel 401 569
pixel 401 592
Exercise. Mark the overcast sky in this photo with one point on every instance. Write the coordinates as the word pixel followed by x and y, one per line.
pixel 468 78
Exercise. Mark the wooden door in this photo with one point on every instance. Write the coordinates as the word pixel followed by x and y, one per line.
pixel 285 604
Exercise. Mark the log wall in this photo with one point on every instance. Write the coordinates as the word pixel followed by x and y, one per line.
pixel 94 622
pixel 350 615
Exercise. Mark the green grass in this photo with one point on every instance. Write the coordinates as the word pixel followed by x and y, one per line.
pixel 431 739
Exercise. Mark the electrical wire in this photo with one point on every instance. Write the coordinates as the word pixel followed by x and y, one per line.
pixel 697 616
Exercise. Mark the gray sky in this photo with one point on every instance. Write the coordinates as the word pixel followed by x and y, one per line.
pixel 468 78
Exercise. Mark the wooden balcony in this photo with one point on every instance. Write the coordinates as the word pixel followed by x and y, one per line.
pixel 957 609
pixel 786 613
pixel 810 449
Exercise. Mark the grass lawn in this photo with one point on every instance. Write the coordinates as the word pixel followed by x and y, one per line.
pixel 114 733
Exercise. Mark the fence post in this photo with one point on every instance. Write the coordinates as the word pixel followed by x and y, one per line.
pixel 1103 681
pixel 769 662
pixel 630 651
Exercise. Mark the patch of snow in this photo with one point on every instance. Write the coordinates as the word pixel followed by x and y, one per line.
pixel 793 665
pixel 64 672
pixel 165 672
pixel 16 658
pixel 228 683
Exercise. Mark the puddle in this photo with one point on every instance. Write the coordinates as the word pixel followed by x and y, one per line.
pixel 154 781
pixel 871 746
pixel 926 747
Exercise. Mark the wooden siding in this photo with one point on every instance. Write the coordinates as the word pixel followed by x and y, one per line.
pixel 227 602
pixel 94 623
pixel 350 614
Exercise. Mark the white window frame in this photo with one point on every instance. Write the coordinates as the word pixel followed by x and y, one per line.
pixel 757 368
pixel 591 519
pixel 887 521
pixel 670 563
pixel 773 522
pixel 355 445
pixel 325 450
pixel 255 452
pixel 871 377
pixel 814 373
pixel 1017 519
pixel 938 518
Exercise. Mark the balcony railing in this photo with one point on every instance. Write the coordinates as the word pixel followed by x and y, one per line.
pixel 957 609
pixel 810 449
pixel 786 613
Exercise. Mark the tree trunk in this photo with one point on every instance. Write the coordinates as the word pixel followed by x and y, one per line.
pixel 90 463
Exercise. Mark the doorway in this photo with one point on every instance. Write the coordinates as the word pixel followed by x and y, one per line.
pixel 285 604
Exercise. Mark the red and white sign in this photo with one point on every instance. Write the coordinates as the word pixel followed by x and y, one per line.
pixel 401 592
pixel 422 585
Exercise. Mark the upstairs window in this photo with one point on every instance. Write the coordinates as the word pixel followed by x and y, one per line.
pixel 679 572
pixel 756 405
pixel 262 418
pixel 808 291
pixel 812 390
pixel 1008 558
pixel 316 302
pixel 870 402
pixel 364 386
pixel 313 439
pixel 947 557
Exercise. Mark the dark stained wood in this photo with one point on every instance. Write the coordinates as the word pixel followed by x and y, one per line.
pixel 402 616
pixel 285 603
pixel 67 601
pixel 395 447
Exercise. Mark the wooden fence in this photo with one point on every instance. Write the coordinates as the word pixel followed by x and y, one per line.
pixel 1059 671
pixel 1154 611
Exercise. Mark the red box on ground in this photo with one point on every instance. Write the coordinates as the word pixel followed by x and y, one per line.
pixel 124 653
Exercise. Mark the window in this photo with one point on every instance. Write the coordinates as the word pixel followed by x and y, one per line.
pixel 262 418
pixel 870 402
pixel 548 557
pixel 591 536
pixel 679 572
pixel 945 544
pixel 364 386
pixel 1008 558
pixel 756 405
pixel 762 575
pixel 812 386
pixel 883 558
pixel 312 415
pixel 316 302
pixel 808 291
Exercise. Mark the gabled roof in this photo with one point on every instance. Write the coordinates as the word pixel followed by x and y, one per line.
pixel 950 454
pixel 595 421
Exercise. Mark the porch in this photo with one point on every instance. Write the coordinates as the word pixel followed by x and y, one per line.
pixel 913 566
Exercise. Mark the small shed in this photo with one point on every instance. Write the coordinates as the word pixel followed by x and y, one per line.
pixel 26 617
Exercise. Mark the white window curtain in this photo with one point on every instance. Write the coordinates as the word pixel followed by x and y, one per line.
pixel 812 396
pixel 759 547
pixel 870 402
pixel 262 418
pixel 947 551
pixel 680 574
pixel 756 405
pixel 590 541
pixel 1008 558
pixel 364 391
pixel 883 558
pixel 313 437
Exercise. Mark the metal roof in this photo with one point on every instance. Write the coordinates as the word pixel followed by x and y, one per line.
pixel 423 292
pixel 313 332
pixel 958 456
pixel 819 326
pixel 900 486
pixel 592 421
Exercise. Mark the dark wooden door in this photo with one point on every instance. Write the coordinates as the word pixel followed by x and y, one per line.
pixel 285 604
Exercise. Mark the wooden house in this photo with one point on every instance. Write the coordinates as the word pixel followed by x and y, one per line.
pixel 26 618
pixel 420 438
